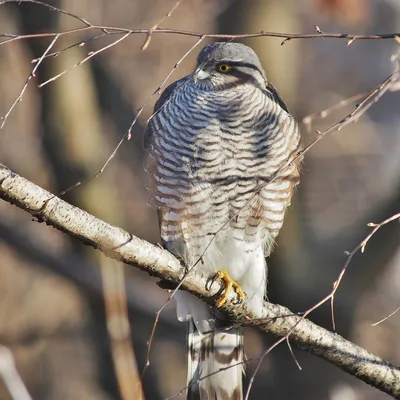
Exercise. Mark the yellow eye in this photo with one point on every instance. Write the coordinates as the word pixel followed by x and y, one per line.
pixel 224 68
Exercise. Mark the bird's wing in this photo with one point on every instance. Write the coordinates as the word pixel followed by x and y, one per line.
pixel 165 97
pixel 271 89
pixel 149 132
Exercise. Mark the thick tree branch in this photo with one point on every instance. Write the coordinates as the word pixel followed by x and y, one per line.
pixel 119 244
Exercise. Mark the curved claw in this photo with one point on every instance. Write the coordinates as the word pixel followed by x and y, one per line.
pixel 240 299
pixel 229 284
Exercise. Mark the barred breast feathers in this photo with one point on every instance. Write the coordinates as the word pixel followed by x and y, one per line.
pixel 210 153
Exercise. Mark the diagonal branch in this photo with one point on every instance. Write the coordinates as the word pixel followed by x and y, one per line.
pixel 119 244
pixel 11 378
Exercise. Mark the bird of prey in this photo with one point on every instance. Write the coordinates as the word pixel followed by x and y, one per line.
pixel 223 162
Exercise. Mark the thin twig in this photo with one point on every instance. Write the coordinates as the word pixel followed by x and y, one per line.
pixel 376 227
pixel 91 54
pixel 155 26
pixel 360 247
pixel 112 30
pixel 14 37
pixel 31 75
pixel 387 317
pixel 77 44
pixel 292 354
pixel 307 121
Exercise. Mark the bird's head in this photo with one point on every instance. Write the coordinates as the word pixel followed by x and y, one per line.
pixel 224 65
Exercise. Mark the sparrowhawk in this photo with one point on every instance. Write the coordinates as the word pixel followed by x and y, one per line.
pixel 217 139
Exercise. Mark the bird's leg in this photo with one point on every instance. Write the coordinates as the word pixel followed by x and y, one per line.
pixel 229 284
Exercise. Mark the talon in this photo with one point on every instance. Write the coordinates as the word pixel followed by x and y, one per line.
pixel 210 282
pixel 229 284
pixel 241 296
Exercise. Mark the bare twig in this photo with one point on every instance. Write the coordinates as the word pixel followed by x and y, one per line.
pixel 31 75
pixel 387 317
pixel 91 54
pixel 362 246
pixel 376 227
pixel 155 26
pixel 260 360
pixel 14 37
pixel 77 44
pixel 350 255
pixel 291 36
pixel 307 121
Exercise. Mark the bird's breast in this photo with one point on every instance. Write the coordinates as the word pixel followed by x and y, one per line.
pixel 215 157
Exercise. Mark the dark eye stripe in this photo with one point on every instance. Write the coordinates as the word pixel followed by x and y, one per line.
pixel 243 76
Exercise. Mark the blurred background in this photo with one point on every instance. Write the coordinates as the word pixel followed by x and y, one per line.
pixel 77 323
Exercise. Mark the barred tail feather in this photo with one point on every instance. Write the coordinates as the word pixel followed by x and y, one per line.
pixel 209 353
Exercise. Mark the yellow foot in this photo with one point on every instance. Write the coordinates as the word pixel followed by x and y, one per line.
pixel 229 284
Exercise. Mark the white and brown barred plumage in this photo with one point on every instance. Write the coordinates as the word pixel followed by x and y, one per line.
pixel 217 138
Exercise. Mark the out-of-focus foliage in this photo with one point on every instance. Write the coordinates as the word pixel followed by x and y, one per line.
pixel 52 314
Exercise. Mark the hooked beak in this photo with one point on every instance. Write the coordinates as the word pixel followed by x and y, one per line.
pixel 200 74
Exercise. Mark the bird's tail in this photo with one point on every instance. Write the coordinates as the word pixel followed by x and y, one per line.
pixel 215 366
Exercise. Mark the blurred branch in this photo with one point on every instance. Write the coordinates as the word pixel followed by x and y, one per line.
pixel 119 244
pixel 119 331
pixel 50 7
pixel 83 273
pixel 10 376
